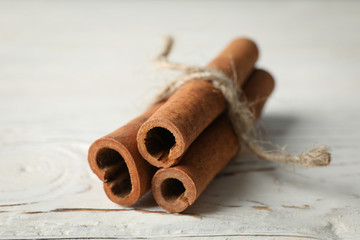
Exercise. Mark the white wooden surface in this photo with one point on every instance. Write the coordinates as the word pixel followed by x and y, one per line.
pixel 72 71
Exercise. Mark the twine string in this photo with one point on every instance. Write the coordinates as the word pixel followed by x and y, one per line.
pixel 239 113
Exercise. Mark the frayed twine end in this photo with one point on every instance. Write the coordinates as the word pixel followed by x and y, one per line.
pixel 316 157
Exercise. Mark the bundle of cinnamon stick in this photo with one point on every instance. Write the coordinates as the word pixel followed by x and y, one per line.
pixel 179 144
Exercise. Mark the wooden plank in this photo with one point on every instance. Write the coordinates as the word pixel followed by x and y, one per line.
pixel 70 72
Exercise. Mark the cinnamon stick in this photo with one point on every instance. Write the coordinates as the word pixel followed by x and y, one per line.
pixel 117 162
pixel 176 188
pixel 168 133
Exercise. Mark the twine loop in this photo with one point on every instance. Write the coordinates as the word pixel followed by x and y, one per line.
pixel 239 113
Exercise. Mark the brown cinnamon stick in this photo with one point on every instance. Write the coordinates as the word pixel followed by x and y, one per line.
pixel 117 162
pixel 168 133
pixel 178 187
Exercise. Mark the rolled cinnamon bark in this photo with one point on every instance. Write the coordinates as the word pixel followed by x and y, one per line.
pixel 168 133
pixel 117 162
pixel 178 187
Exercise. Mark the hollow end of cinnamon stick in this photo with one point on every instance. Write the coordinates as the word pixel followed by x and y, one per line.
pixel 160 142
pixel 114 165
pixel 115 159
pixel 173 189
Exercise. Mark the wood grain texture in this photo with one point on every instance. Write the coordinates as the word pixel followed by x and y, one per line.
pixel 71 72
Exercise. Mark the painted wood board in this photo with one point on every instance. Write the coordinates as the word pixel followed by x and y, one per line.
pixel 70 72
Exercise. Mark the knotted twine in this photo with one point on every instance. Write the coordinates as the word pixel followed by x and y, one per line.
pixel 239 113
